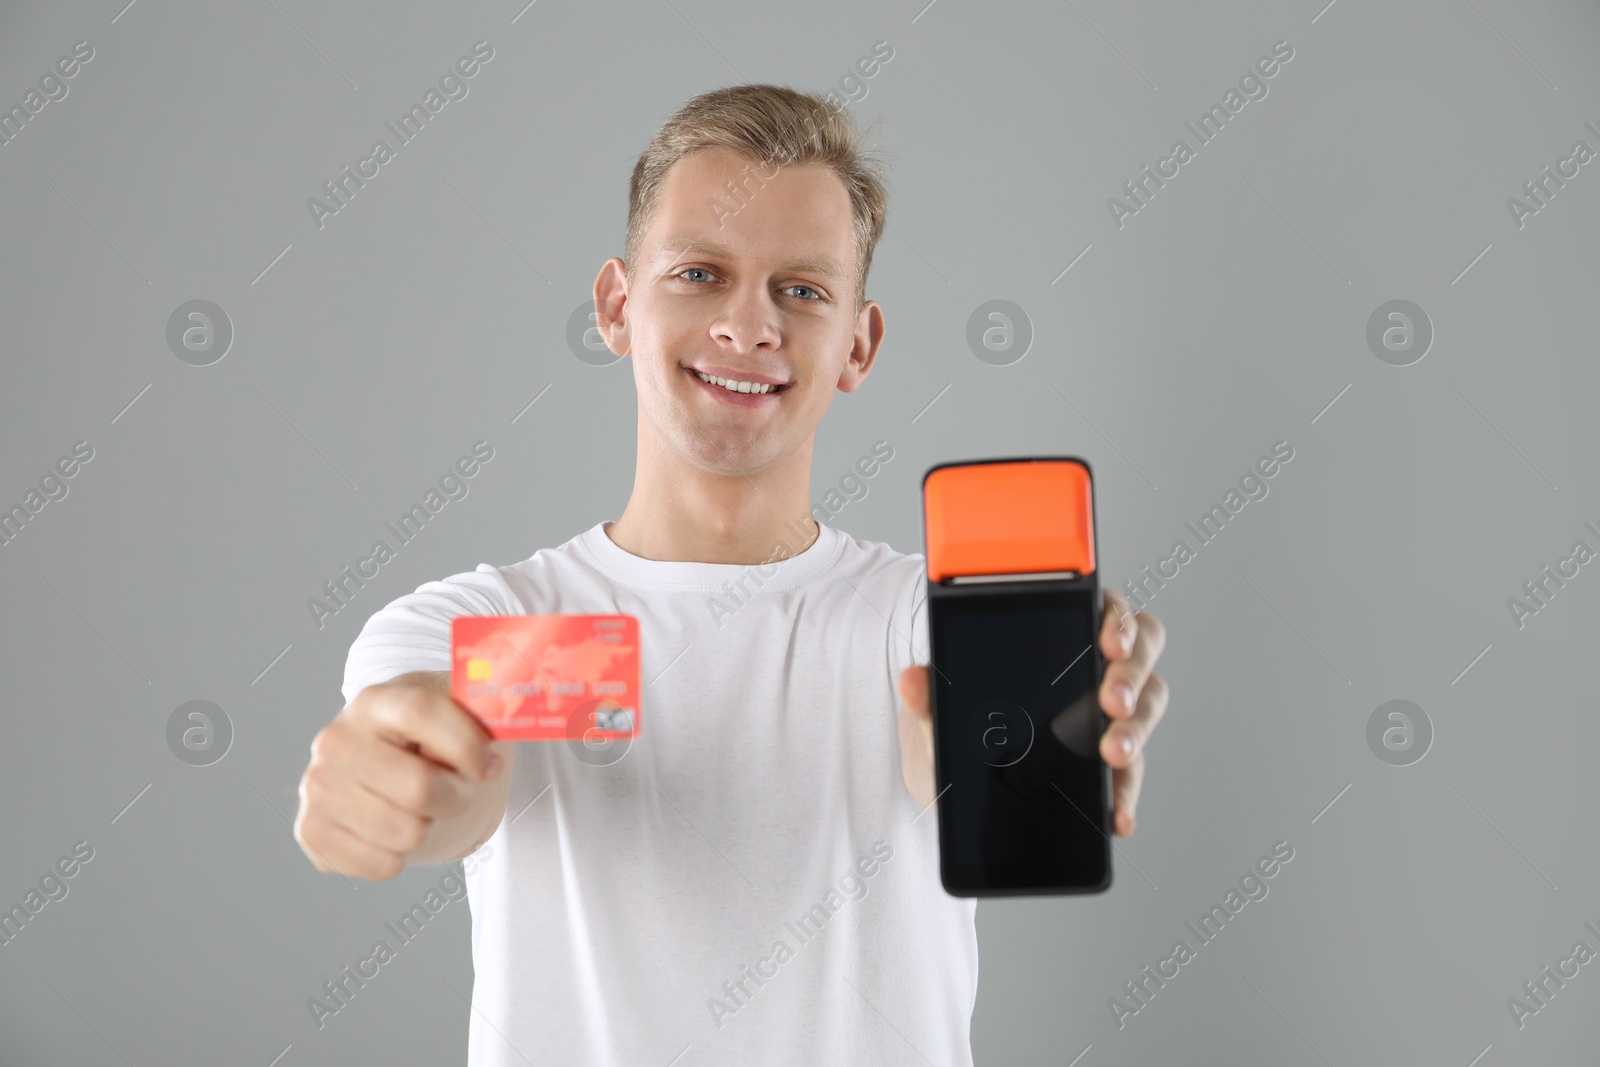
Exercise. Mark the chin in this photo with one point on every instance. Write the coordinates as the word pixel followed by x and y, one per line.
pixel 731 458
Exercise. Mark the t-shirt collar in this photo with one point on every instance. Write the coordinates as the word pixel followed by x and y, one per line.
pixel 685 574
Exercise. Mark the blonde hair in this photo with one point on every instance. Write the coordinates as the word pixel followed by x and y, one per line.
pixel 769 124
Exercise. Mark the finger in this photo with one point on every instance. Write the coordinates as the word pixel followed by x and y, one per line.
pixel 410 781
pixel 1125 785
pixel 1117 627
pixel 335 849
pixel 1124 740
pixel 913 686
pixel 1119 688
pixel 445 731
pixel 378 820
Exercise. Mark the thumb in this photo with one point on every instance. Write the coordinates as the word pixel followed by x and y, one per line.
pixel 913 686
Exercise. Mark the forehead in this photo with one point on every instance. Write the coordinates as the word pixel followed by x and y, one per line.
pixel 800 214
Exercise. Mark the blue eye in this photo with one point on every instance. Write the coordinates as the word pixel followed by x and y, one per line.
pixel 814 297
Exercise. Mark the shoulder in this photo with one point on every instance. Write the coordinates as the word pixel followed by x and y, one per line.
pixel 536 585
pixel 881 563
pixel 896 584
pixel 412 631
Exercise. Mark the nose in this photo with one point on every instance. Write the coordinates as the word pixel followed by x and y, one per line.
pixel 747 321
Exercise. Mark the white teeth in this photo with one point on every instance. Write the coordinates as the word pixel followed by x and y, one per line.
pixel 734 386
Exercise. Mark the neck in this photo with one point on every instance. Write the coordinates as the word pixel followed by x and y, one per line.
pixel 684 513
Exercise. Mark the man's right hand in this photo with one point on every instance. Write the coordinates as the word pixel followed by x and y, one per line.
pixel 402 775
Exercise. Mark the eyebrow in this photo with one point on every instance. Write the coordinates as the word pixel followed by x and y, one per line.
pixel 825 265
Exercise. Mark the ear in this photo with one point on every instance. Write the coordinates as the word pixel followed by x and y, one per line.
pixel 610 306
pixel 864 347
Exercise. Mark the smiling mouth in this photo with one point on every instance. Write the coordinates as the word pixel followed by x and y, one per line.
pixel 735 386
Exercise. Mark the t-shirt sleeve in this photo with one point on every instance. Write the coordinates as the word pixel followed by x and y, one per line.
pixel 908 633
pixel 919 624
pixel 412 633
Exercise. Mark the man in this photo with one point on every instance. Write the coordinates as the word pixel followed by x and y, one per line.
pixel 751 883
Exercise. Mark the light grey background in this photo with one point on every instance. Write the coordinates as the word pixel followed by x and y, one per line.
pixel 1230 313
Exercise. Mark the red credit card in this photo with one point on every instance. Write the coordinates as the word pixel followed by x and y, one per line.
pixel 548 677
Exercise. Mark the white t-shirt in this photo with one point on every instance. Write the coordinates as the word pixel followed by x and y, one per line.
pixel 751 883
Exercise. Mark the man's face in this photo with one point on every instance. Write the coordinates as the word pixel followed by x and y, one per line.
pixel 763 292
